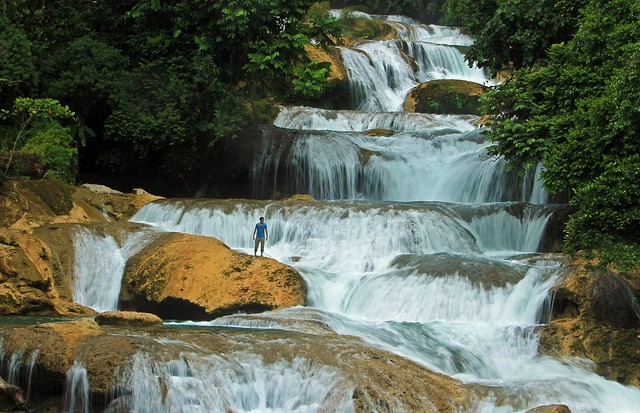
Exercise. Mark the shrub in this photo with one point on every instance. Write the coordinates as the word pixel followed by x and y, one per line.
pixel 606 223
pixel 54 145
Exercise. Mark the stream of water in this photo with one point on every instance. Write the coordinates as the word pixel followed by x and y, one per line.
pixel 418 244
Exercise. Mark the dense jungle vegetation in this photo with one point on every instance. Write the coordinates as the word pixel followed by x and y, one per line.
pixel 132 92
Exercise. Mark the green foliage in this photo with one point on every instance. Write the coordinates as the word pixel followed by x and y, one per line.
pixel 37 130
pixel 54 145
pixel 17 69
pixel 27 117
pixel 578 114
pixel 515 33
pixel 309 79
pixel 87 83
pixel 156 84
pixel 606 224
pixel 471 14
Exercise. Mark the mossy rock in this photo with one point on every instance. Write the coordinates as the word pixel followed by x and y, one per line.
pixel 359 28
pixel 445 97
pixel 379 132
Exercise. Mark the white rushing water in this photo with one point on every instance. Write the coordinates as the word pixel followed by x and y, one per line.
pixel 245 383
pixel 418 244
pixel 99 267
pixel 77 389
pixel 429 157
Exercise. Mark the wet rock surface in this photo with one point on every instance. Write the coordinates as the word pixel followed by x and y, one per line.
pixel 127 318
pixel 445 96
pixel 367 378
pixel 552 408
pixel 595 316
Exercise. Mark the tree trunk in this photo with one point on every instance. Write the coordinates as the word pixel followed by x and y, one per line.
pixel 12 392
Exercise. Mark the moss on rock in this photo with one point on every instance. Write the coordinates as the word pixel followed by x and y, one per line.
pixel 445 97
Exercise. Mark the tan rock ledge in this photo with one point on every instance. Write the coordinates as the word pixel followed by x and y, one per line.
pixel 127 318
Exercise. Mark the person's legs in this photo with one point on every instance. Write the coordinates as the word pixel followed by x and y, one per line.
pixel 259 242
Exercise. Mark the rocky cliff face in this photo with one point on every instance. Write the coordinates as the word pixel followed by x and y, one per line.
pixel 596 316
pixel 36 241
pixel 176 276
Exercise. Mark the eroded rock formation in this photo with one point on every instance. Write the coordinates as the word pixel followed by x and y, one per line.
pixel 180 276
pixel 596 316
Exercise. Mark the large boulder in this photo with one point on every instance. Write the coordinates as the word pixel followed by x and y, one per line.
pixel 37 229
pixel 445 96
pixel 55 344
pixel 180 276
pixel 29 269
pixel 596 316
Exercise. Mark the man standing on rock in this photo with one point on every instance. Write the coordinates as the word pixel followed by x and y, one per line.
pixel 260 235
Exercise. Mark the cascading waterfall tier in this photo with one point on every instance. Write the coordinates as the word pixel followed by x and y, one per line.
pixel 99 266
pixel 425 157
pixel 381 73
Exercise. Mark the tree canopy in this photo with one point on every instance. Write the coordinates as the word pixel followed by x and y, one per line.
pixel 155 84
pixel 575 108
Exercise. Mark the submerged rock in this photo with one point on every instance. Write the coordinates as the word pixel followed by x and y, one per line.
pixel 552 408
pixel 188 277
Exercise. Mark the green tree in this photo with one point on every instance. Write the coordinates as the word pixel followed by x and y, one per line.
pixel 605 227
pixel 38 131
pixel 578 114
pixel 513 33
pixel 17 68
pixel 158 83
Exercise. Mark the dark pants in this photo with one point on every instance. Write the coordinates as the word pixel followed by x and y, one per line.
pixel 259 241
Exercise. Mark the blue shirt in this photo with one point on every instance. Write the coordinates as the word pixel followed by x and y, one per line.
pixel 260 230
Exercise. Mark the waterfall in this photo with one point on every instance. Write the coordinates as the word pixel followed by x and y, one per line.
pixel 99 267
pixel 30 369
pixel 244 383
pixel 77 389
pixel 436 158
pixel 380 78
pixel 16 368
pixel 15 364
pixel 381 73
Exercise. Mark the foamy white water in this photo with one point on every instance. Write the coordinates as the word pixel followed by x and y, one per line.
pixel 445 160
pixel 99 267
pixel 198 383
